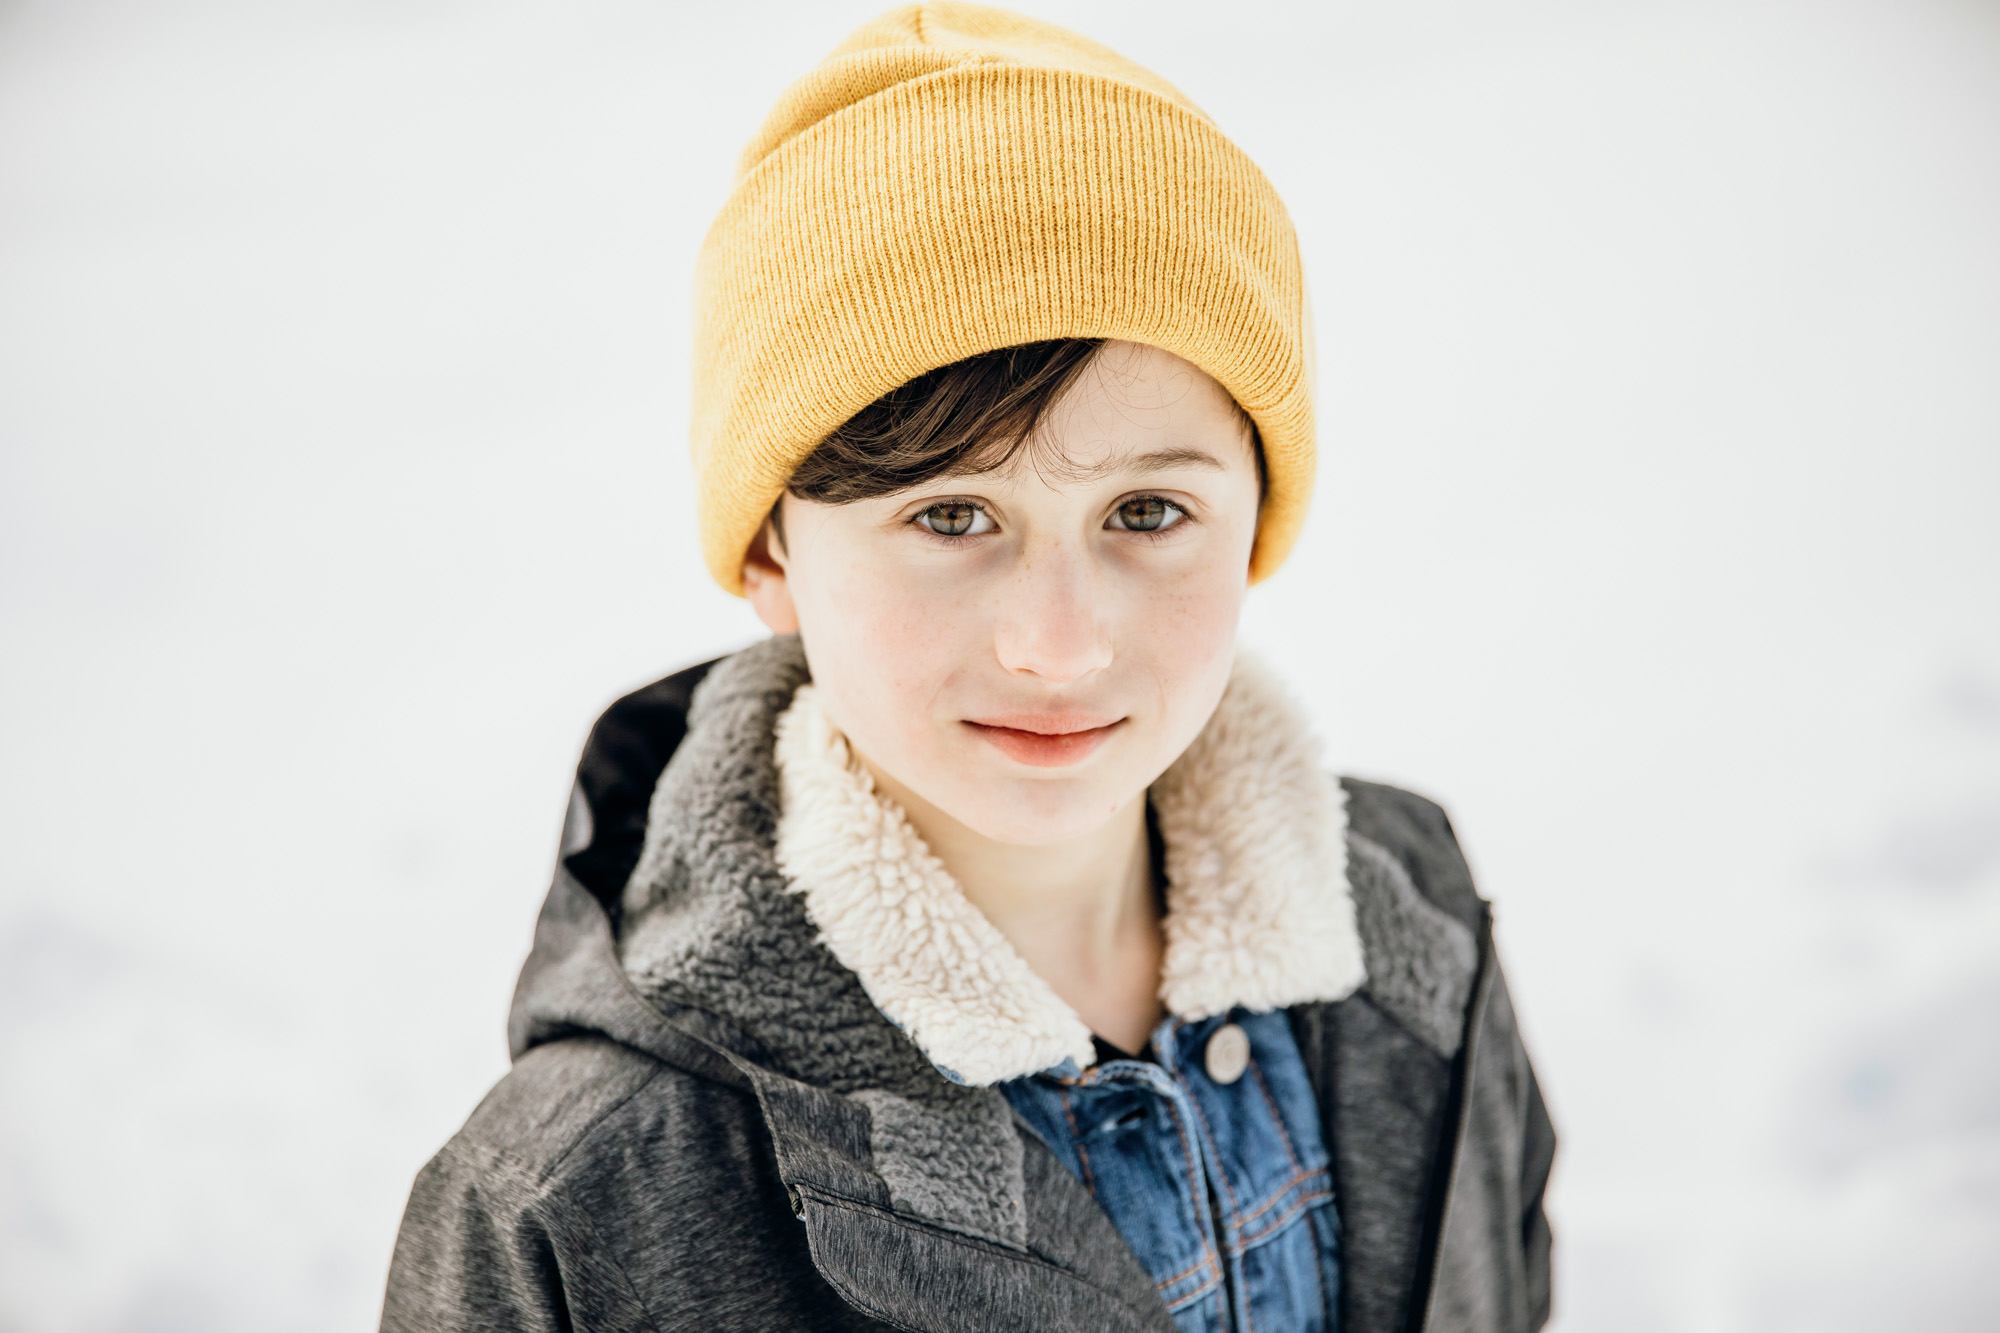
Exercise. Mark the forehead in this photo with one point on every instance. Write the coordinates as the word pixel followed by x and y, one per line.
pixel 1136 407
pixel 1147 385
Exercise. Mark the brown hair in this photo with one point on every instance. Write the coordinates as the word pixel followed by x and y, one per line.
pixel 969 417
pixel 963 419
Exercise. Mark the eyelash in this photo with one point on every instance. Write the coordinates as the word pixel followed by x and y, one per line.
pixel 950 539
pixel 957 539
pixel 1165 530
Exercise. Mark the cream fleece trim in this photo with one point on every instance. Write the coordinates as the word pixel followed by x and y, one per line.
pixel 895 917
pixel 1258 909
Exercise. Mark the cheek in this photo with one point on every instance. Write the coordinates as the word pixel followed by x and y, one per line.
pixel 1191 623
pixel 882 647
pixel 1186 638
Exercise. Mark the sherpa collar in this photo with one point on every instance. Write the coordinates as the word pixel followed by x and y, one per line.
pixel 1259 913
pixel 716 936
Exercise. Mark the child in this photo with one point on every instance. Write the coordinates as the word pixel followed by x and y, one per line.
pixel 988 949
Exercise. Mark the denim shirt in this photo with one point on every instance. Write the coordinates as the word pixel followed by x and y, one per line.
pixel 1222 1189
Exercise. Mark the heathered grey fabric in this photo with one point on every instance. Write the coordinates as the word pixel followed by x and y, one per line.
pixel 708 923
pixel 1421 962
pixel 1480 1284
pixel 1385 1097
pixel 1439 1165
pixel 737 1144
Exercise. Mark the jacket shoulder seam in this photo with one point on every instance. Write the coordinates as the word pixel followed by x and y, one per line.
pixel 582 1135
pixel 542 1170
pixel 549 1197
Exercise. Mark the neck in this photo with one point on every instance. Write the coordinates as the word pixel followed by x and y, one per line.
pixel 1082 914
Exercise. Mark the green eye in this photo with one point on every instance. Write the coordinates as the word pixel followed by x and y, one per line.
pixel 1146 513
pixel 954 519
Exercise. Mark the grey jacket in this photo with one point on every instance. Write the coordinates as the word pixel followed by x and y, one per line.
pixel 739 1141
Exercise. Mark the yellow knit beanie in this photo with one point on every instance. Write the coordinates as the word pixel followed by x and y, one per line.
pixel 955 179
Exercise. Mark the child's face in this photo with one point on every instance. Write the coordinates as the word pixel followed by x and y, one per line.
pixel 1028 649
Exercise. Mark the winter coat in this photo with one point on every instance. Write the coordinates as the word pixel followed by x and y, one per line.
pixel 710 1125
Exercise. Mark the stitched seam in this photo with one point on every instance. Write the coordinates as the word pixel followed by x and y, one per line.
pixel 1209 1259
pixel 1277 1197
pixel 1277 1116
pixel 973 1238
pixel 552 1197
pixel 577 1142
pixel 1185 1273
pixel 1227 1193
pixel 1319 1270
pixel 1214 1279
pixel 1183 1302
pixel 1019 1256
pixel 1300 1205
pixel 855 1299
pixel 987 1244
pixel 603 1252
pixel 1082 1153
pixel 1199 1195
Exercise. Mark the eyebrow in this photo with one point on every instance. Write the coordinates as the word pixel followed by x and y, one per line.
pixel 1158 460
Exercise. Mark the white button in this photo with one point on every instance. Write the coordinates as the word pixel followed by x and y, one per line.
pixel 1228 1053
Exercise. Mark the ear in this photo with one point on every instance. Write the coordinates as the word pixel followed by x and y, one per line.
pixel 765 582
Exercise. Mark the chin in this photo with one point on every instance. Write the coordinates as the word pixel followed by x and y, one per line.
pixel 1039 813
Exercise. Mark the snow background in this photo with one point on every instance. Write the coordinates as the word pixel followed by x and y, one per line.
pixel 343 359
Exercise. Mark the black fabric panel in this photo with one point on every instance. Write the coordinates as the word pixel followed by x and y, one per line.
pixel 1385 1101
pixel 1450 1144
pixel 1420 835
pixel 622 761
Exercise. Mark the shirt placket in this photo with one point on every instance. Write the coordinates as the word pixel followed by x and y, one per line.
pixel 1205 1276
pixel 1247 1210
pixel 1220 1205
pixel 1201 1265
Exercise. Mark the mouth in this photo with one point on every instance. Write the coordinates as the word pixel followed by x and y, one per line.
pixel 1045 742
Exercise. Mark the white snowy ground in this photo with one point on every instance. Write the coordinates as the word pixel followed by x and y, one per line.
pixel 342 378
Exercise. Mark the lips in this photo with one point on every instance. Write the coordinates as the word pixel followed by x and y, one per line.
pixel 1045 742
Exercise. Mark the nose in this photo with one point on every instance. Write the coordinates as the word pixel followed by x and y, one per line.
pixel 1053 622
